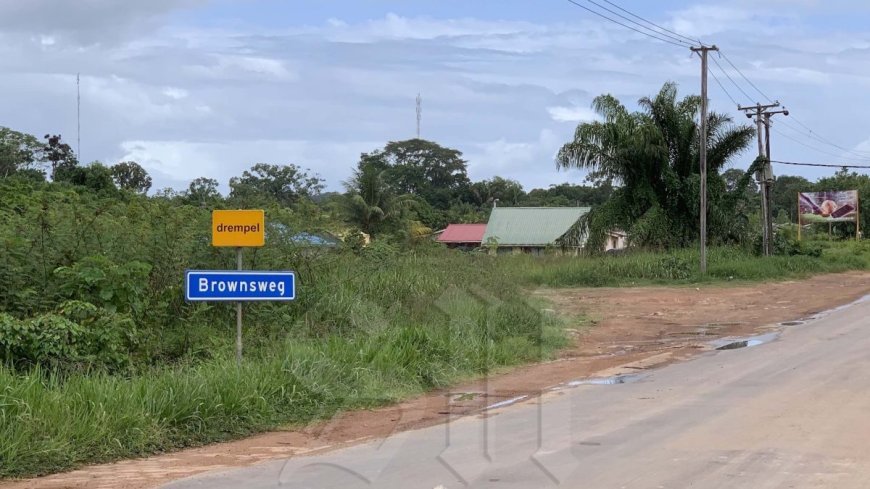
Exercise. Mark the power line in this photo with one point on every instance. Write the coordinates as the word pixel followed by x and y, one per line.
pixel 677 39
pixel 812 134
pixel 804 144
pixel 748 97
pixel 723 88
pixel 745 78
pixel 626 26
pixel 693 41
pixel 825 165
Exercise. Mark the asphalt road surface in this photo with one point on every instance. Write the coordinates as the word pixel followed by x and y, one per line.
pixel 790 413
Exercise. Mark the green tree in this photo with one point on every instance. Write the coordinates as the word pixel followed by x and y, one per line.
pixel 95 176
pixel 418 167
pixel 507 192
pixel 60 155
pixel 370 204
pixel 18 152
pixel 783 195
pixel 567 195
pixel 284 184
pixel 129 175
pixel 653 155
pixel 203 192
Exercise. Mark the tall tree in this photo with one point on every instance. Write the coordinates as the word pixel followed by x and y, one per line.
pixel 783 195
pixel 371 204
pixel 285 184
pixel 18 151
pixel 507 192
pixel 653 155
pixel 418 167
pixel 95 176
pixel 129 175
pixel 202 191
pixel 61 156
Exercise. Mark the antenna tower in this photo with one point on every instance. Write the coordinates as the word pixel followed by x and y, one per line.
pixel 419 113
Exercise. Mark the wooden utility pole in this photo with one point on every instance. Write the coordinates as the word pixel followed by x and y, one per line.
pixel 764 176
pixel 704 50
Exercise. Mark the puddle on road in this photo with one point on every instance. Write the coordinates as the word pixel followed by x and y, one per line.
pixel 738 343
pixel 505 403
pixel 616 379
pixel 792 323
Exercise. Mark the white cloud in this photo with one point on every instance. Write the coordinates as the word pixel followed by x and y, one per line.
pixel 705 20
pixel 398 27
pixel 572 113
pixel 179 162
pixel 175 93
pixel 234 67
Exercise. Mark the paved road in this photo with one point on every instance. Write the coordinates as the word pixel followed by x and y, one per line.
pixel 792 413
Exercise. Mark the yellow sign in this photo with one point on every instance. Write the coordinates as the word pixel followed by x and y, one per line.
pixel 238 228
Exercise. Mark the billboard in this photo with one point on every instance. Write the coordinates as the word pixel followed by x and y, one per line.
pixel 835 206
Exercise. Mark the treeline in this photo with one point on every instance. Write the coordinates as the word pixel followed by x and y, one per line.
pixel 407 186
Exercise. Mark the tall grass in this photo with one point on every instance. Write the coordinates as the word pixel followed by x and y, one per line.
pixel 681 266
pixel 375 332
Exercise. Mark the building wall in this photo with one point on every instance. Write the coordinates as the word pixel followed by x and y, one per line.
pixel 615 241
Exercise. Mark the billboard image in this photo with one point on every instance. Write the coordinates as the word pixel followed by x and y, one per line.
pixel 835 206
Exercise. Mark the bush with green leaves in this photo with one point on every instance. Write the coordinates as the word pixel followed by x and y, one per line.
pixel 78 335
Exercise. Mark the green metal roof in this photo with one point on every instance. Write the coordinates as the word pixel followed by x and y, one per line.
pixel 531 226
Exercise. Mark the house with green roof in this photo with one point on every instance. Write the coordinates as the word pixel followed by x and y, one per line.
pixel 535 229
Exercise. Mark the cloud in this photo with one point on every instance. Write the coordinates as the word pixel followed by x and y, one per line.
pixel 572 114
pixel 176 163
pixel 531 162
pixel 175 93
pixel 86 21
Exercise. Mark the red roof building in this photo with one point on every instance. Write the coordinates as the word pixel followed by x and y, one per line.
pixel 463 235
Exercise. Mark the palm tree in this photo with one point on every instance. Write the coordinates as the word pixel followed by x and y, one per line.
pixel 653 155
pixel 370 204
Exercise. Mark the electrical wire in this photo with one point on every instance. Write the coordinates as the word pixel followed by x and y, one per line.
pixel 728 60
pixel 813 135
pixel 748 97
pixel 693 41
pixel 626 26
pixel 825 165
pixel 716 78
pixel 804 144
pixel 677 39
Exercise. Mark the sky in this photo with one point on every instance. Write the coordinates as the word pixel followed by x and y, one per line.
pixel 192 88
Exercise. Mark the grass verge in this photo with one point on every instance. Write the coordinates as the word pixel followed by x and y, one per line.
pixel 410 325
pixel 681 267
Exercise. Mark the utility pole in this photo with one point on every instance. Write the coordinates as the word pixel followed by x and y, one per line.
pixel 704 50
pixel 764 176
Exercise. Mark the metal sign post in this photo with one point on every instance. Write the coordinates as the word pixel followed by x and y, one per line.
pixel 239 312
pixel 238 229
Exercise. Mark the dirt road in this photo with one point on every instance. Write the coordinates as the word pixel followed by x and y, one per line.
pixel 634 330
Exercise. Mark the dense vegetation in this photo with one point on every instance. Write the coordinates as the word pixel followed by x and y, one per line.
pixel 102 358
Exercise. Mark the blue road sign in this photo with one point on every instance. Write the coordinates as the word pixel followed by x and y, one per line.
pixel 239 285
